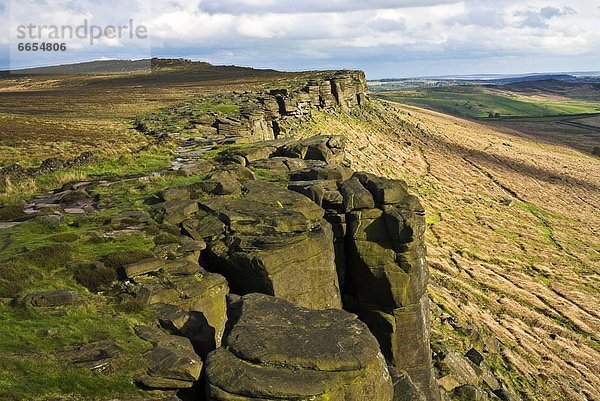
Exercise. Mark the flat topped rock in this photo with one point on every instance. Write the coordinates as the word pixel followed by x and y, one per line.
pixel 51 298
pixel 250 217
pixel 275 242
pixel 277 351
pixel 267 208
pixel 272 195
pixel 273 331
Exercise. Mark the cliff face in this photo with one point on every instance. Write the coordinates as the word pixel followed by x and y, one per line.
pixel 320 236
pixel 263 118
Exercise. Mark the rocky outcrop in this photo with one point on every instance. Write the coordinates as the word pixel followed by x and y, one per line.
pixel 332 234
pixel 277 351
pixel 380 257
pixel 298 236
pixel 276 243
pixel 386 273
pixel 262 119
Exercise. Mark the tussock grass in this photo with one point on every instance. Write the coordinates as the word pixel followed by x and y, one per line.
pixel 150 160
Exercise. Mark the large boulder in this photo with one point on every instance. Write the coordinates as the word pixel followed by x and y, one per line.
pixel 277 243
pixel 171 363
pixel 189 300
pixel 277 351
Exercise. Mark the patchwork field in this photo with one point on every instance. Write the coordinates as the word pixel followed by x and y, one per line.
pixel 493 102
pixel 548 111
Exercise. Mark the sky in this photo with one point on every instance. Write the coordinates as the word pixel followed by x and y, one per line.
pixel 385 38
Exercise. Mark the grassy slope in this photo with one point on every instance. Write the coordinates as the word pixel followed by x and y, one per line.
pixel 513 240
pixel 479 102
pixel 62 116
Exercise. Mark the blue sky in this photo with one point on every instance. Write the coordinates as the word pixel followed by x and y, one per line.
pixel 385 38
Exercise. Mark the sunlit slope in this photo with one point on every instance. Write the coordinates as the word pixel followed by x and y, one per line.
pixel 513 241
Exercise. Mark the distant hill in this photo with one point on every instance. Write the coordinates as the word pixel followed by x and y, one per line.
pixel 402 83
pixel 125 67
pixel 555 86
pixel 533 78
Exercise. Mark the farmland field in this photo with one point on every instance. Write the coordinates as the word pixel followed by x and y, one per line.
pixel 481 102
pixel 547 111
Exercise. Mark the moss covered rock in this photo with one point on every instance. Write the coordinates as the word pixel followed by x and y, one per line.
pixel 277 351
pixel 276 242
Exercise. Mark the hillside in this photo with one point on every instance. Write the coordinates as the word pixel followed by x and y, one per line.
pixel 207 186
pixel 512 241
pixel 72 114
pixel 521 100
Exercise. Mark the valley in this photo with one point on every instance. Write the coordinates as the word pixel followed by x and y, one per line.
pixel 550 110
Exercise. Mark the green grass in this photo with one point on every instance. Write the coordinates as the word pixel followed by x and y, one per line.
pixel 478 102
pixel 35 261
pixel 30 330
pixel 145 162
pixel 26 378
pixel 37 255
pixel 43 255
pixel 29 340
pixel 278 177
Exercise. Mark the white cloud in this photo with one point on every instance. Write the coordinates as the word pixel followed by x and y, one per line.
pixel 512 26
pixel 237 7
pixel 539 18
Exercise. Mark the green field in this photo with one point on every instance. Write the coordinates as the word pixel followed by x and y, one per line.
pixel 483 103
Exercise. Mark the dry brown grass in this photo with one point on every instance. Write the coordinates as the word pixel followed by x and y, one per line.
pixel 63 116
pixel 513 240
pixel 593 121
